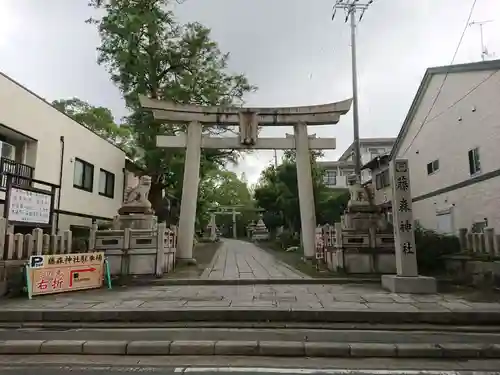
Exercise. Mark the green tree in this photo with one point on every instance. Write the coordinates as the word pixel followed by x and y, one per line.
pixel 146 51
pixel 225 188
pixel 277 193
pixel 100 120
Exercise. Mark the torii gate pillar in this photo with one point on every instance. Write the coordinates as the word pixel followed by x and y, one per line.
pixel 305 187
pixel 189 199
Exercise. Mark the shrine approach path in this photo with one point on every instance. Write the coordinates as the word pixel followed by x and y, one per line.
pixel 237 259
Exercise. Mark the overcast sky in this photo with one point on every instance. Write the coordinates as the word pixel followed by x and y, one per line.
pixel 290 49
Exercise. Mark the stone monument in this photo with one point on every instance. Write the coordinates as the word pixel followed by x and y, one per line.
pixel 260 232
pixel 136 211
pixel 407 279
pixel 361 213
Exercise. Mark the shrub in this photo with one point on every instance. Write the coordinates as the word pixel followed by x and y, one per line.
pixel 287 239
pixel 431 247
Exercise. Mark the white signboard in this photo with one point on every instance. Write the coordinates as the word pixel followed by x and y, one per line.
pixel 29 206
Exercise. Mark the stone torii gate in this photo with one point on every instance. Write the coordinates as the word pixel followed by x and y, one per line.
pixel 248 120
pixel 223 211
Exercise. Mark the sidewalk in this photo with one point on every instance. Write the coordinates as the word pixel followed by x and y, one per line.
pixel 243 260
pixel 251 303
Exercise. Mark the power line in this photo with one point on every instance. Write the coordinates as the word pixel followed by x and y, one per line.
pixel 445 77
pixel 464 96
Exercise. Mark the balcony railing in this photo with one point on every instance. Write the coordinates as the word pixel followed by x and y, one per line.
pixel 8 166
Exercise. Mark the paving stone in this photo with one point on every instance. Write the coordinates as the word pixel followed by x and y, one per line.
pixel 345 306
pixel 236 348
pixel 455 305
pixel 281 348
pixel 348 298
pixel 105 347
pixel 148 347
pixel 456 350
pixel 326 349
pixel 429 306
pixel 393 307
pixel 186 347
pixel 373 350
pixel 20 346
pixel 420 350
pixel 62 347
pixel 381 298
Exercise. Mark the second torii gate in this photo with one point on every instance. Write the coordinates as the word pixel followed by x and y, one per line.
pixel 223 211
pixel 248 120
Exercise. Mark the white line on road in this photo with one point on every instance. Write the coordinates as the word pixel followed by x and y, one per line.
pixel 303 371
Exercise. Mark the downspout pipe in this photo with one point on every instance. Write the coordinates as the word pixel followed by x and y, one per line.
pixel 61 169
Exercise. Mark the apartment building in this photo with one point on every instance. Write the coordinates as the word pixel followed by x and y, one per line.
pixel 40 142
pixel 451 138
pixel 336 172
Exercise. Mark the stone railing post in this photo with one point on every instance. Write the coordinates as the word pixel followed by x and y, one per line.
pixel 38 241
pixel 29 245
pixel 160 249
pixel 462 238
pixel 93 232
pixel 3 229
pixel 68 238
pixel 489 241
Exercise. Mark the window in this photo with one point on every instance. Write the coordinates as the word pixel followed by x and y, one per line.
pixel 433 167
pixel 330 178
pixel 474 163
pixel 83 175
pixel 7 150
pixel 382 180
pixel 106 183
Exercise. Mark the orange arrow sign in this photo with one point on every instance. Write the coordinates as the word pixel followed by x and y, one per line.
pixel 72 272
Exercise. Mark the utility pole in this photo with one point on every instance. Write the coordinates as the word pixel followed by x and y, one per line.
pixel 275 159
pixel 350 8
pixel 484 50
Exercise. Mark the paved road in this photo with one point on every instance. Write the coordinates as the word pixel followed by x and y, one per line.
pixel 351 297
pixel 242 260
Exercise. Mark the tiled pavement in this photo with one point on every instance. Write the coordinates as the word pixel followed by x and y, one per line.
pixel 242 260
pixel 350 297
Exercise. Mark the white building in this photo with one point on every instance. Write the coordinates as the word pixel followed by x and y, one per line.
pixel 41 142
pixel 451 138
pixel 336 172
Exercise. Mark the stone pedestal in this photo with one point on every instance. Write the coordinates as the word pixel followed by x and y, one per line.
pixel 415 284
pixel 136 221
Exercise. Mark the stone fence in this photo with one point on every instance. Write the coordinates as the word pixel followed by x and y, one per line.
pixel 133 252
pixel 487 243
pixel 16 249
pixel 19 247
pixel 479 260
pixel 355 251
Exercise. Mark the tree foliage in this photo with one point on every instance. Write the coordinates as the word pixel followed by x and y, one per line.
pixel 146 51
pixel 224 188
pixel 277 193
pixel 100 120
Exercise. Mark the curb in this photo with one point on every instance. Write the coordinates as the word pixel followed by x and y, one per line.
pixel 459 317
pixel 326 281
pixel 252 348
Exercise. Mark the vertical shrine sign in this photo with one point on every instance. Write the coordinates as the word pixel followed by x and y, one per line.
pixel 57 273
pixel 404 231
